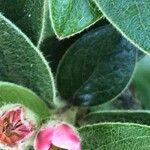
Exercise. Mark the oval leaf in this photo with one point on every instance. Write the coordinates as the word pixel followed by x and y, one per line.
pixel 14 94
pixel 22 63
pixel 126 101
pixel 141 81
pixel 96 68
pixel 72 16
pixel 131 18
pixel 115 136
pixel 31 16
pixel 141 117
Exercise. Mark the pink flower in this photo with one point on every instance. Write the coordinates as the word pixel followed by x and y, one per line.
pixel 14 128
pixel 57 136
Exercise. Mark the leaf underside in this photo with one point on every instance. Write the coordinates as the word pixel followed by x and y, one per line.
pixel 115 136
pixel 141 117
pixel 72 16
pixel 131 18
pixel 14 94
pixel 22 63
pixel 31 16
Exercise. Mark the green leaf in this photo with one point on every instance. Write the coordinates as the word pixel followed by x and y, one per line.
pixel 141 81
pixel 120 104
pixel 115 136
pixel 31 16
pixel 72 16
pixel 131 18
pixel 14 94
pixel 126 101
pixel 22 63
pixel 96 68
pixel 141 117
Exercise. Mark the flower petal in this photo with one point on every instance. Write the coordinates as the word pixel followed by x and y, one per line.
pixel 44 139
pixel 65 137
pixel 14 115
pixel 59 136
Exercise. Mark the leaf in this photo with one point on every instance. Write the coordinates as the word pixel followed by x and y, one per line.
pixel 69 17
pixel 31 16
pixel 115 136
pixel 120 104
pixel 22 63
pixel 96 68
pixel 54 49
pixel 141 117
pixel 131 18
pixel 126 101
pixel 14 94
pixel 141 81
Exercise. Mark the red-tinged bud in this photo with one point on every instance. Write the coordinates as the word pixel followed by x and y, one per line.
pixel 17 128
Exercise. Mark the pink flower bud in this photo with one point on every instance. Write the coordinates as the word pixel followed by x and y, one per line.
pixel 57 136
pixel 15 128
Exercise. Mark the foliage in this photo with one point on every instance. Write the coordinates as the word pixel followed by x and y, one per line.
pixel 80 56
